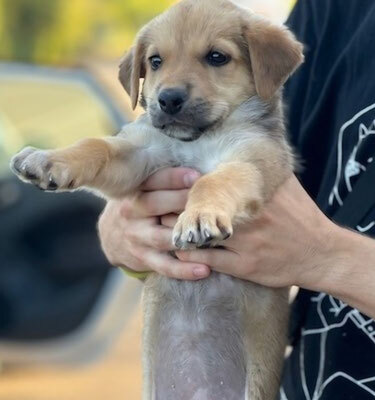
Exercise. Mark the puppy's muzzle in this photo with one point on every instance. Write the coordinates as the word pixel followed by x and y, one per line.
pixel 171 101
pixel 178 114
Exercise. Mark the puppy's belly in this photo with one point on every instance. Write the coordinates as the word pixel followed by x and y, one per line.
pixel 200 353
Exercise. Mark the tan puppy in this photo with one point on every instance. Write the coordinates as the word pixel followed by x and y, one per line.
pixel 212 77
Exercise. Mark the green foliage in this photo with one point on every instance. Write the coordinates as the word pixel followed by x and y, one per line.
pixel 65 31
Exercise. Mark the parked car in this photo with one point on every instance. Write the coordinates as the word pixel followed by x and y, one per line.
pixel 60 300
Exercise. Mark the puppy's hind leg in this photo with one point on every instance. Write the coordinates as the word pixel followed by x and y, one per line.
pixel 266 343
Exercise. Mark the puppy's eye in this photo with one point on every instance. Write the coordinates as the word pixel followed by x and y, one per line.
pixel 217 59
pixel 155 62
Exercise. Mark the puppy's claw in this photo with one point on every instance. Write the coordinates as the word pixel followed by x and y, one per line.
pixel 177 242
pixel 201 229
pixel 207 236
pixel 52 185
pixel 16 168
pixel 226 234
pixel 191 237
pixel 28 174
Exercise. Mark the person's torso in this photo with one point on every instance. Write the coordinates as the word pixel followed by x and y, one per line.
pixel 332 114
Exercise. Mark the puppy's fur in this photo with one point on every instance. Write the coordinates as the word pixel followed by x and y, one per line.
pixel 220 338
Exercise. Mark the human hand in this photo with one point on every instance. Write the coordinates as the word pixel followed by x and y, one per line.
pixel 130 230
pixel 288 244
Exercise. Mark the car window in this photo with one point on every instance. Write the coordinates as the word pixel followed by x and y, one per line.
pixel 50 108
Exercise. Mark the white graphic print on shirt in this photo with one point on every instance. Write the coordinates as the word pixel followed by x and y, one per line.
pixel 355 151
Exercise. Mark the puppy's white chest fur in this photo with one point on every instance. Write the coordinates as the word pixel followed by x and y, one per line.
pixel 204 154
pixel 239 137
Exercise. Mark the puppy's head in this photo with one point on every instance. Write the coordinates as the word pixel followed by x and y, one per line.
pixel 201 59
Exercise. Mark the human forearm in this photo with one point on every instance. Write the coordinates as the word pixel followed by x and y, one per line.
pixel 293 243
pixel 346 270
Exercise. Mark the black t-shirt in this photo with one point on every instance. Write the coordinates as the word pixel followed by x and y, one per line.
pixel 331 113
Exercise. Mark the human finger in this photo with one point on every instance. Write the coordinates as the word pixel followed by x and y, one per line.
pixel 169 220
pixel 171 179
pixel 160 202
pixel 169 266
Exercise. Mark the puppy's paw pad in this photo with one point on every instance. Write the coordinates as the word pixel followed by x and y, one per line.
pixel 39 168
pixel 201 229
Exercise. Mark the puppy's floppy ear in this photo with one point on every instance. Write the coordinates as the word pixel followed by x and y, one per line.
pixel 132 69
pixel 274 54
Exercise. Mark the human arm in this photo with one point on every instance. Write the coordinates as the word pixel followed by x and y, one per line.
pixel 293 243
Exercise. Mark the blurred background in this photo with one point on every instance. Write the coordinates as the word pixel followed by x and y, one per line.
pixel 70 325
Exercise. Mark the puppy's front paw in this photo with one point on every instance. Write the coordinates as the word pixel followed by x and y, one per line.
pixel 201 228
pixel 41 169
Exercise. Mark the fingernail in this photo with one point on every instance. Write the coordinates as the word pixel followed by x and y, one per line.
pixel 200 272
pixel 190 178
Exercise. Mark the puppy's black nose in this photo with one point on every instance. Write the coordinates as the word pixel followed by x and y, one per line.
pixel 172 100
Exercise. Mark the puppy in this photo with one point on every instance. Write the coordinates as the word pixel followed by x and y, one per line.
pixel 212 79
